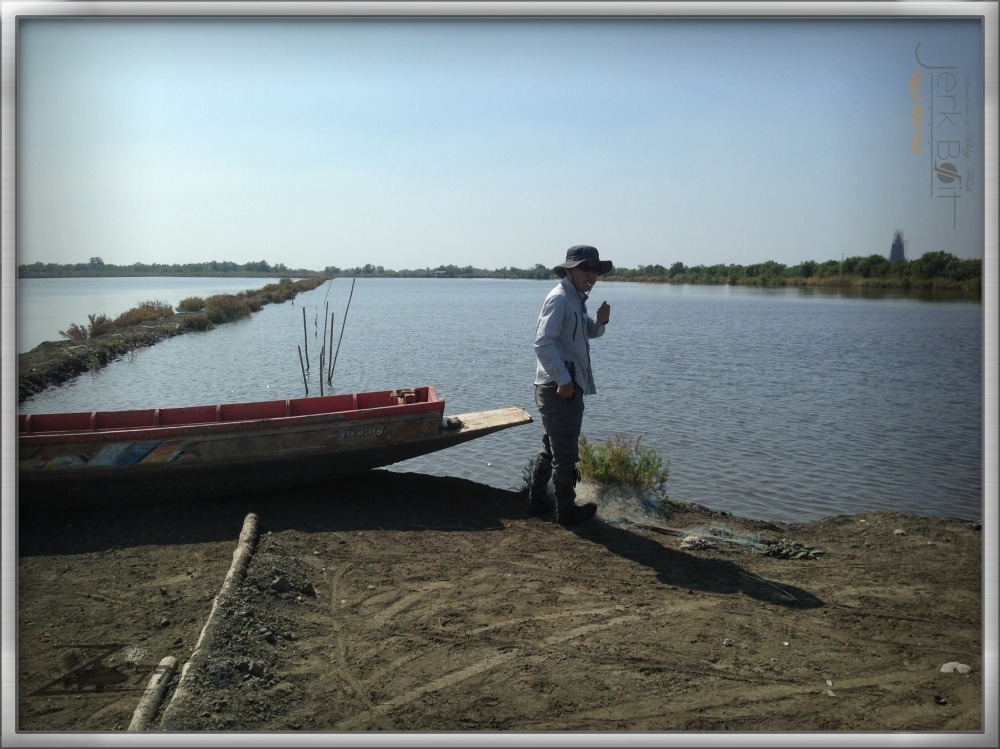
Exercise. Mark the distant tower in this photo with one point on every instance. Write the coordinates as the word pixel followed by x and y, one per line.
pixel 898 252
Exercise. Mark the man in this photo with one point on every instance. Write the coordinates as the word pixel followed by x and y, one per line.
pixel 562 376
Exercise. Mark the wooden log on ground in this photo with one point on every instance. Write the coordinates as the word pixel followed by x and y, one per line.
pixel 150 701
pixel 237 571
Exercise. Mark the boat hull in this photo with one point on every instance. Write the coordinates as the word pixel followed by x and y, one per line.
pixel 189 461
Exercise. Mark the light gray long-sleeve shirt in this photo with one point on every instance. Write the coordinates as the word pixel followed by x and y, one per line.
pixel 562 337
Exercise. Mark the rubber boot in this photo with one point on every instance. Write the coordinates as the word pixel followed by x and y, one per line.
pixel 568 512
pixel 539 501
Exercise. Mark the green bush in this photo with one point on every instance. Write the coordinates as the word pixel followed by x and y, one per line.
pixel 135 316
pixel 622 461
pixel 279 292
pixel 100 325
pixel 144 312
pixel 191 304
pixel 216 315
pixel 253 303
pixel 195 321
pixel 229 306
pixel 75 332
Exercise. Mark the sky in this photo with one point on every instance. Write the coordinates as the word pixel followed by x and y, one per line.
pixel 496 142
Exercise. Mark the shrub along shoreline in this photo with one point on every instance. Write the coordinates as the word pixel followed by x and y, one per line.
pixel 90 347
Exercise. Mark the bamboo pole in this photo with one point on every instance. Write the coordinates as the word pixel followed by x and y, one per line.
pixel 305 335
pixel 305 380
pixel 343 322
pixel 323 348
pixel 329 374
pixel 323 356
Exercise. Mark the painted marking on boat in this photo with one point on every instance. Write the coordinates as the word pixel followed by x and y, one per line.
pixel 165 452
pixel 375 430
pixel 124 453
pixel 56 462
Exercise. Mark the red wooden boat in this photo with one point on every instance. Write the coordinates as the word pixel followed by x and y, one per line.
pixel 191 452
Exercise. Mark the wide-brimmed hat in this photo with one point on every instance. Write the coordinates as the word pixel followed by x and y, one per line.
pixel 582 253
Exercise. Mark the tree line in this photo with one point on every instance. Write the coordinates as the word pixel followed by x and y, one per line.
pixel 97 267
pixel 933 270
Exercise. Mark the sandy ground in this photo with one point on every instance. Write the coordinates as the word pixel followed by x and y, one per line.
pixel 403 603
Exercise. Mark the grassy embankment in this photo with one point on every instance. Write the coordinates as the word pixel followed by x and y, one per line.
pixel 103 340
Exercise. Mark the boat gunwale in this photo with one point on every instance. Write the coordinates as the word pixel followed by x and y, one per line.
pixel 433 404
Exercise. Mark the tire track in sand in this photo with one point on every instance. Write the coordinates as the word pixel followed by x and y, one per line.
pixel 344 672
pixel 490 662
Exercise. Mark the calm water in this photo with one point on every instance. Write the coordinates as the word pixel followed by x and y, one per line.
pixel 772 404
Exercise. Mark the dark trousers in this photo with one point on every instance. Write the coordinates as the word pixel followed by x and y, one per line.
pixel 562 421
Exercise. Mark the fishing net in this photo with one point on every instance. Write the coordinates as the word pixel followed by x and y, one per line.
pixel 623 506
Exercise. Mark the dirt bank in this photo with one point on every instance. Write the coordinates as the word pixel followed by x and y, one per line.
pixel 402 603
pixel 55 362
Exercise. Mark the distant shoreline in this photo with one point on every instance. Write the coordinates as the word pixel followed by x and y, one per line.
pixel 934 271
pixel 970 290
